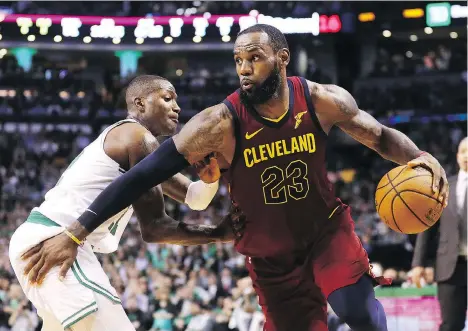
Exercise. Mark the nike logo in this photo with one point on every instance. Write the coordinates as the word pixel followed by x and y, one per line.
pixel 298 119
pixel 250 136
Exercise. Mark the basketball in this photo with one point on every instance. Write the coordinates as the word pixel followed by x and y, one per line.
pixel 405 202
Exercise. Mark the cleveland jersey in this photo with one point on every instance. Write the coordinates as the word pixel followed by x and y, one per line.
pixel 278 176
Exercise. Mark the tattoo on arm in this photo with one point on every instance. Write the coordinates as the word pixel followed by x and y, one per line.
pixel 391 144
pixel 205 133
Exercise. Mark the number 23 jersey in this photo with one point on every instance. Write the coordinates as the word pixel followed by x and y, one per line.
pixel 278 176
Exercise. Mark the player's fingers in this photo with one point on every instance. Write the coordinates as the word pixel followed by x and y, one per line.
pixel 33 260
pixel 64 269
pixel 35 270
pixel 44 270
pixel 415 163
pixel 435 179
pixel 31 252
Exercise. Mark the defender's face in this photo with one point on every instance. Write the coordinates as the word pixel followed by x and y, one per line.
pixel 162 110
pixel 257 67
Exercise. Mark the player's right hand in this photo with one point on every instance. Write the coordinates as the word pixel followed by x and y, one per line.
pixel 417 273
pixel 58 251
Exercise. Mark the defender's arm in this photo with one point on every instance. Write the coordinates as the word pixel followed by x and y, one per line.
pixel 205 133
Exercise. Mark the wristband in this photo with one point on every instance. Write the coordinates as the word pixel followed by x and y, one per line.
pixel 75 239
pixel 199 194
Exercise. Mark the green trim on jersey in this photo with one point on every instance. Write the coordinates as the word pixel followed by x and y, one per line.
pixel 79 315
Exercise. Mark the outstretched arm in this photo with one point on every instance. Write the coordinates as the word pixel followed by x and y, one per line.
pixel 205 133
pixel 337 107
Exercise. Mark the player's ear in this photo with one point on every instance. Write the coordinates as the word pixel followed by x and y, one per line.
pixel 139 104
pixel 284 56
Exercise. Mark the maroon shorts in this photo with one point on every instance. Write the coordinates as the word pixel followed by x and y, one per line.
pixel 293 294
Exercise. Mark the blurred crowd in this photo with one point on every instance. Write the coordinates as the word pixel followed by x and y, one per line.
pixel 166 287
pixel 206 288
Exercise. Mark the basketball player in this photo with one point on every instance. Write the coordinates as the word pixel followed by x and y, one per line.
pixel 271 136
pixel 85 300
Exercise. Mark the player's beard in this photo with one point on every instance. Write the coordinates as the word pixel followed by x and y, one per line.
pixel 260 94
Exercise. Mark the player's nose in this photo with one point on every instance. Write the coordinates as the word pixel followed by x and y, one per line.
pixel 176 108
pixel 246 69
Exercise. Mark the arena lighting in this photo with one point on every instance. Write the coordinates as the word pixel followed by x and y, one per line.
pixel 453 35
pixel 176 25
pixel 386 33
pixel 107 29
pixel 458 11
pixel 413 13
pixel 1 37
pixel 116 40
pixel 413 37
pixel 366 17
pixel 31 37
pixel 71 24
pixel 224 38
pixel 43 24
pixel 24 23
pixel 146 29
pixel 200 24
pixel 438 14
pixel 58 39
pixel 428 30
pixel 87 39
pixel 139 40
pixel 168 40
pixel 409 54
pixel 196 39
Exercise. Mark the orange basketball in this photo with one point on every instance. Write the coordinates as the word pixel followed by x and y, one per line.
pixel 405 201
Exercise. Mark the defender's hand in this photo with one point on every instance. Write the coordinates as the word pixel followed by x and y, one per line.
pixel 233 224
pixel 208 169
pixel 439 178
pixel 56 251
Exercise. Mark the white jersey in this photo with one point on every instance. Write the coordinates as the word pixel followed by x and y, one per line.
pixel 84 179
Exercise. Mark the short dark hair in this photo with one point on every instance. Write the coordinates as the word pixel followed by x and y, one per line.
pixel 141 86
pixel 276 38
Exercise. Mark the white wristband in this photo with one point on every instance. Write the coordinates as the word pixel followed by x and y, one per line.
pixel 200 194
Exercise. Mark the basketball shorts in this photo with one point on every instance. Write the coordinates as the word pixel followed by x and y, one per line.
pixel 293 291
pixel 84 295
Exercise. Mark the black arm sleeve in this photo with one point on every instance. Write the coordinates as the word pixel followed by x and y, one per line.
pixel 156 168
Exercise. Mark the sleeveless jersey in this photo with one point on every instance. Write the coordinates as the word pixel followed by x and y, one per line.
pixel 278 176
pixel 84 179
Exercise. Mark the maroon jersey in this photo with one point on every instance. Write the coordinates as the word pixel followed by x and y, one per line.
pixel 278 176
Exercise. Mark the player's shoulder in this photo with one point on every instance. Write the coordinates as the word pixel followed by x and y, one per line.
pixel 129 140
pixel 128 133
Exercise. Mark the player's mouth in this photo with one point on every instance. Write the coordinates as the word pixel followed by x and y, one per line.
pixel 175 119
pixel 247 85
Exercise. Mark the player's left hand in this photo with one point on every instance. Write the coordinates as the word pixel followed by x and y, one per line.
pixel 58 251
pixel 208 169
pixel 439 178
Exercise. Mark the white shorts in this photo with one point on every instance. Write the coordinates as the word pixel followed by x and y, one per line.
pixel 85 291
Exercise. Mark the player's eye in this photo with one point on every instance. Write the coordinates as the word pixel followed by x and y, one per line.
pixel 255 58
pixel 167 99
pixel 238 60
